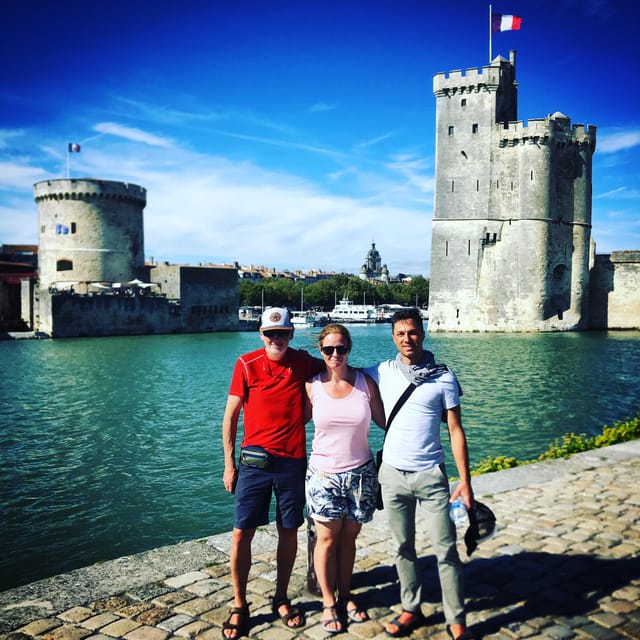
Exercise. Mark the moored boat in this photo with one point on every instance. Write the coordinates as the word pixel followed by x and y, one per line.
pixel 348 312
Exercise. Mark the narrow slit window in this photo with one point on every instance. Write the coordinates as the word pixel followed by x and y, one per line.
pixel 474 127
pixel 468 247
pixel 446 248
pixel 451 130
pixel 453 183
pixel 463 102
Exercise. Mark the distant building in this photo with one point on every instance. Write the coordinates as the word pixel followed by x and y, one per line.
pixel 373 270
pixel 93 280
pixel 511 242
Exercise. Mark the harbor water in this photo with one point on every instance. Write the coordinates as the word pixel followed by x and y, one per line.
pixel 111 446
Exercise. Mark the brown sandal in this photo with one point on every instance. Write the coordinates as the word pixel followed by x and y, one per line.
pixel 287 617
pixel 242 628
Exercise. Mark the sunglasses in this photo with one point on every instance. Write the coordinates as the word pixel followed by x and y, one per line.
pixel 276 333
pixel 341 350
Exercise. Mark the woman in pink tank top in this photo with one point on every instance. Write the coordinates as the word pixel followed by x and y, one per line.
pixel 341 482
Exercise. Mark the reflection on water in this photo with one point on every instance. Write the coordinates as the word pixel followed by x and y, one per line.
pixel 110 446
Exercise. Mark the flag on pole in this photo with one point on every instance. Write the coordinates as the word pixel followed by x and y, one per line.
pixel 73 147
pixel 502 22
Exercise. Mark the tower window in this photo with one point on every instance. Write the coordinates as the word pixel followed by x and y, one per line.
pixel 451 129
pixel 474 127
pixel 64 265
pixel 446 248
pixel 453 186
pixel 73 227
pixel 477 185
pixel 532 174
pixel 463 102
pixel 468 247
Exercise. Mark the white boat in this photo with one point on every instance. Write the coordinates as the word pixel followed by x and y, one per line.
pixel 347 312
pixel 302 319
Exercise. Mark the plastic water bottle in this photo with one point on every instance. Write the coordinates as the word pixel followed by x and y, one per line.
pixel 458 514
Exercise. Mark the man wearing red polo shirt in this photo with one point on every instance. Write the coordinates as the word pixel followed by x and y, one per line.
pixel 267 385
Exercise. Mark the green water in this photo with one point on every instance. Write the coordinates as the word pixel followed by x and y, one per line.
pixel 111 446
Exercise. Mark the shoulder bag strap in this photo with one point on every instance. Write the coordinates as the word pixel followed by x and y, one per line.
pixel 401 400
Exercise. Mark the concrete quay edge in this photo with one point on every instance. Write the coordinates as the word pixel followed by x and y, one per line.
pixel 564 563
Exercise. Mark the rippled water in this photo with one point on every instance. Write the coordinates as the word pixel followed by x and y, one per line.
pixel 111 446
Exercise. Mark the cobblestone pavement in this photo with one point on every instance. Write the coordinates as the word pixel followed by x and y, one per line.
pixel 563 563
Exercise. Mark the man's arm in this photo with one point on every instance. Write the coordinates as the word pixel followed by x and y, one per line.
pixel 461 456
pixel 229 432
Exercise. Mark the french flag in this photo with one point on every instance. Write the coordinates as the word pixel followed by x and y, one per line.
pixel 73 147
pixel 502 22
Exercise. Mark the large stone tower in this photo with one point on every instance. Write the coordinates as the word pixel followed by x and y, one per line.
pixel 512 213
pixel 90 230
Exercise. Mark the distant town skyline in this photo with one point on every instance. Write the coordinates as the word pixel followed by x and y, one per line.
pixel 295 134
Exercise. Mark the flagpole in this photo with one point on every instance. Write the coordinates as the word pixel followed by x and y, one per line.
pixel 490 32
pixel 68 154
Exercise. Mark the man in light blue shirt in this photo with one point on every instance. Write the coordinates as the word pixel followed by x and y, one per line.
pixel 412 471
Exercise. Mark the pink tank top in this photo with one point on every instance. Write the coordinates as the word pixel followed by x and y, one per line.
pixel 341 437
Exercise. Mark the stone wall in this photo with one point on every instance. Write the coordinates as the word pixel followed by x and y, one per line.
pixel 614 292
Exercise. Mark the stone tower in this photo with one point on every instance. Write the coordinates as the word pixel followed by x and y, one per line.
pixel 90 230
pixel 512 213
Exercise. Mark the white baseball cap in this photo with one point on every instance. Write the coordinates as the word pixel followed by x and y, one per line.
pixel 276 318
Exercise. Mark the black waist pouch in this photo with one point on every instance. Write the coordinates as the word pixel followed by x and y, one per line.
pixel 255 457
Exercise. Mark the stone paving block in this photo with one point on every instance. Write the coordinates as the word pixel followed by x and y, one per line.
pixel 67 632
pixel 186 578
pixel 205 587
pixel 133 610
pixel 76 614
pixel 120 627
pixel 175 622
pixel 98 621
pixel 172 599
pixel 195 607
pixel 40 627
pixel 110 604
pixel 146 633
pixel 192 629
pixel 154 615
pixel 148 591
pixel 607 620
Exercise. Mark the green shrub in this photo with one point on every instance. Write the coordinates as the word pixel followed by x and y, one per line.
pixel 570 443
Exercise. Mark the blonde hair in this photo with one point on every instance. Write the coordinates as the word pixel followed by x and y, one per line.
pixel 335 328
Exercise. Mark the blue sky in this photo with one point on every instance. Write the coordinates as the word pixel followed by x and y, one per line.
pixel 294 133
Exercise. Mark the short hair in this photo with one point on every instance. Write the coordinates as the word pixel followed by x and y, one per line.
pixel 408 313
pixel 335 328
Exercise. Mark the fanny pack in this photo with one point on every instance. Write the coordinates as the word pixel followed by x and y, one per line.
pixel 255 457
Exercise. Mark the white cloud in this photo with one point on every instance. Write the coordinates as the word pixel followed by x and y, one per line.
pixel 133 134
pixel 320 107
pixel 611 141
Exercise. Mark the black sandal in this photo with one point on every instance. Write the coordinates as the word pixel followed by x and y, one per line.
pixel 242 628
pixel 287 617
pixel 355 613
pixel 405 629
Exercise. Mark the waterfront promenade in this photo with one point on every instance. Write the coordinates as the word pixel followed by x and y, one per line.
pixel 564 563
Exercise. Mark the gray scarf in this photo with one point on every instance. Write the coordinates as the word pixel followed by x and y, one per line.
pixel 425 369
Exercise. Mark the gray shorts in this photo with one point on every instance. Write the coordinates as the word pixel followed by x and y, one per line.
pixel 346 494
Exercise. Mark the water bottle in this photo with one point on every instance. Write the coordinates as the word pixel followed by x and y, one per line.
pixel 458 514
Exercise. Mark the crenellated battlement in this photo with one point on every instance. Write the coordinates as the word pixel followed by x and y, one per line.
pixel 554 129
pixel 87 189
pixel 474 79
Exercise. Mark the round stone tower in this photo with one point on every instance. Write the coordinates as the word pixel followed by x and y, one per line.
pixel 90 230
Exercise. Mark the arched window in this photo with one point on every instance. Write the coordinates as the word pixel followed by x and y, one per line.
pixel 64 265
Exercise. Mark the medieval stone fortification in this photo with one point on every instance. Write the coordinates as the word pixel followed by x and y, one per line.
pixel 511 241
pixel 93 279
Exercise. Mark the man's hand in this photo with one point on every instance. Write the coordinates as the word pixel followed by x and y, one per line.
pixel 229 478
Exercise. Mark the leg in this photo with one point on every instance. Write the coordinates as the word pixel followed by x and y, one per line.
pixel 441 533
pixel 285 559
pixel 325 559
pixel 345 561
pixel 240 555
pixel 400 505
